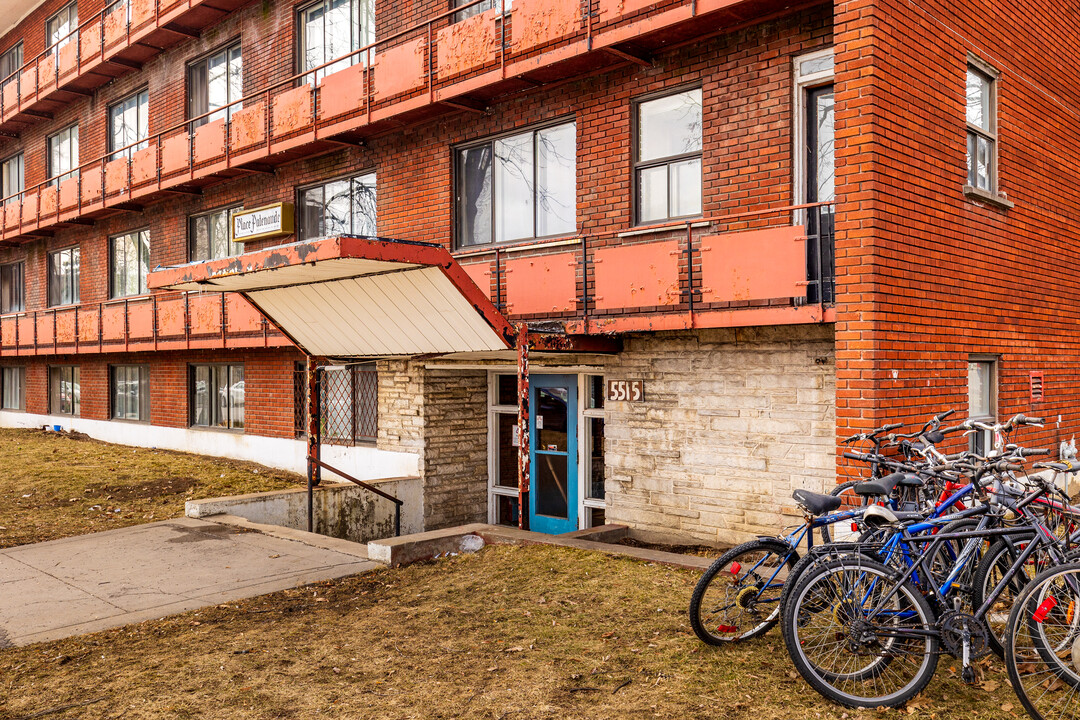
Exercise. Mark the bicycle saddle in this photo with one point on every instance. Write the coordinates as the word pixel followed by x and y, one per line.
pixel 881 486
pixel 1065 466
pixel 816 503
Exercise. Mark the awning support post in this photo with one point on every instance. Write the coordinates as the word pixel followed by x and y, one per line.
pixel 314 470
pixel 523 425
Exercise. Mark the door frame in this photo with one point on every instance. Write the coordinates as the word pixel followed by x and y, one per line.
pixel 582 374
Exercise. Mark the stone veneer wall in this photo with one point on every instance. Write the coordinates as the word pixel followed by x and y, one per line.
pixel 733 421
pixel 442 417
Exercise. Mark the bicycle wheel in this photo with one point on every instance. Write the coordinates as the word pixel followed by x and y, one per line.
pixel 995 563
pixel 856 642
pixel 843 531
pixel 738 597
pixel 1042 644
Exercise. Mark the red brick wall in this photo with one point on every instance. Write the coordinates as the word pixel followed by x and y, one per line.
pixel 268 384
pixel 927 277
pixel 746 81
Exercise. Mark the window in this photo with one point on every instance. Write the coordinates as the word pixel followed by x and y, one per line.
pixel 982 400
pixel 115 5
pixel 518 187
pixel 12 289
pixel 214 82
pixel 10 63
pixel 129 124
pixel 217 396
pixel 981 129
pixel 64 390
pixel 64 277
pixel 63 157
pixel 60 28
pixel 130 391
pixel 595 462
pixel 349 403
pixel 340 207
pixel 667 167
pixel 480 7
pixel 209 235
pixel 815 168
pixel 329 29
pixel 503 453
pixel 12 179
pixel 13 388
pixel 129 263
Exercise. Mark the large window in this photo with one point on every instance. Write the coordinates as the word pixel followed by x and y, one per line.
pixel 217 396
pixel 518 187
pixel 12 179
pixel 213 83
pixel 63 155
pixel 13 388
pixel 667 157
pixel 12 289
pixel 329 29
pixel 130 392
pixel 60 28
pixel 129 263
pixel 340 207
pixel 981 129
pixel 129 125
pixel 349 403
pixel 10 63
pixel 982 400
pixel 64 390
pixel 209 235
pixel 64 277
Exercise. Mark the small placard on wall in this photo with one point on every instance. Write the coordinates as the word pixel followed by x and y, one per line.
pixel 625 391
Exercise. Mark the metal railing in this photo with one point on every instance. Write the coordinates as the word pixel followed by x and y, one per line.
pixel 315 125
pixel 126 323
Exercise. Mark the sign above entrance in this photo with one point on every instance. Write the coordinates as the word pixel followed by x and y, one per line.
pixel 626 390
pixel 264 222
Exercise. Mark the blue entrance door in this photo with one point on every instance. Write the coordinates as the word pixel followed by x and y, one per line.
pixel 553 496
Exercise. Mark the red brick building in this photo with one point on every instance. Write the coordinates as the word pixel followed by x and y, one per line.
pixel 663 184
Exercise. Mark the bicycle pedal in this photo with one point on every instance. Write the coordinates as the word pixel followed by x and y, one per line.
pixel 968 675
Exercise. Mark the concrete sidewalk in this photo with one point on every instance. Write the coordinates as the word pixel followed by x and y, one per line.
pixel 93 582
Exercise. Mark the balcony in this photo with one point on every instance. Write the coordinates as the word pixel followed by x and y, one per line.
pixel 159 322
pixel 434 67
pixel 739 270
pixel 101 49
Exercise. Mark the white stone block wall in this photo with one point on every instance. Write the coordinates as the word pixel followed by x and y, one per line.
pixel 733 421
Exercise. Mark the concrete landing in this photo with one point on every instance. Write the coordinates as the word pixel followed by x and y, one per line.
pixel 94 582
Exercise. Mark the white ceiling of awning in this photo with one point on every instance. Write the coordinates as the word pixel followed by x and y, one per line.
pixel 408 312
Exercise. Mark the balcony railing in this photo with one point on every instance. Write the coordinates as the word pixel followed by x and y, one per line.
pixel 750 268
pixel 434 63
pixel 103 47
pixel 173 321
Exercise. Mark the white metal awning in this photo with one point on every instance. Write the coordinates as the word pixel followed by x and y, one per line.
pixel 357 297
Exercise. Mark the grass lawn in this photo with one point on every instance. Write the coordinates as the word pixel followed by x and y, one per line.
pixel 510 633
pixel 55 485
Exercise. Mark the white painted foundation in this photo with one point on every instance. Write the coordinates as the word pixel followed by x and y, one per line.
pixel 363 463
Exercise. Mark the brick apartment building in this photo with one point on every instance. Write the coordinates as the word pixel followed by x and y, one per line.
pixel 787 221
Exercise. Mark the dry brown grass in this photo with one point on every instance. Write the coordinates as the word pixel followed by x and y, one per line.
pixel 513 632
pixel 54 485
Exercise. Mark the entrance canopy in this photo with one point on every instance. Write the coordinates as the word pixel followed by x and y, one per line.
pixel 357 297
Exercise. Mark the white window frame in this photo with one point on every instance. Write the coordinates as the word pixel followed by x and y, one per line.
pixel 801 84
pixel 341 61
pixel 584 468
pixel 993 362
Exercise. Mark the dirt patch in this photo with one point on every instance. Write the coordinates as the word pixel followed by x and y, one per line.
pixel 60 484
pixel 519 633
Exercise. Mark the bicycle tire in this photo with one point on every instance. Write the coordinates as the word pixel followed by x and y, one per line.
pixel 998 559
pixel 908 599
pixel 722 567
